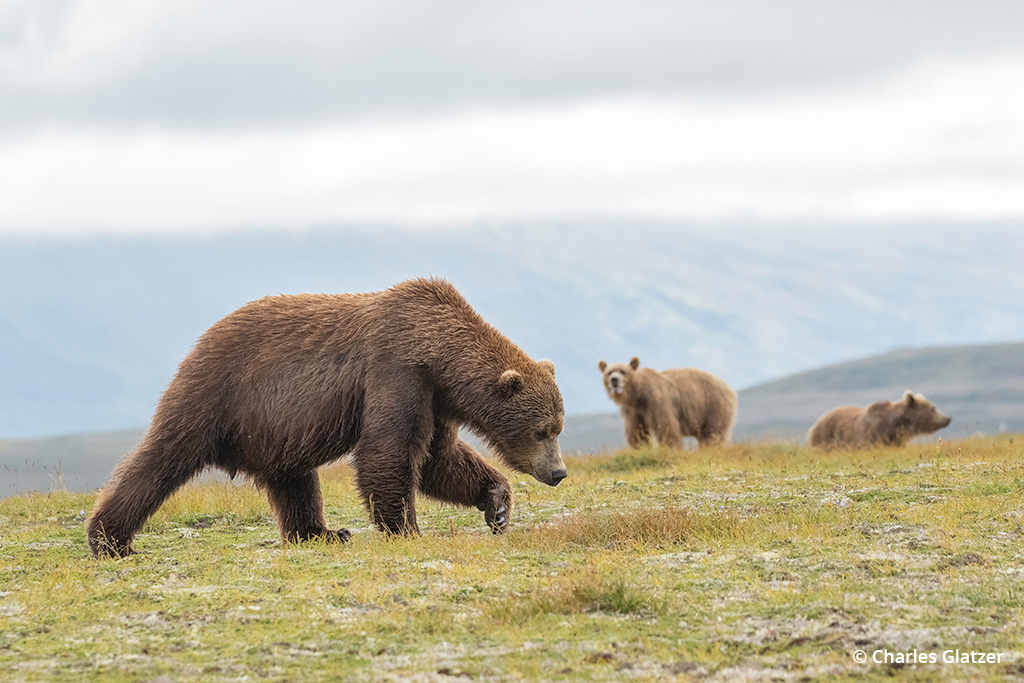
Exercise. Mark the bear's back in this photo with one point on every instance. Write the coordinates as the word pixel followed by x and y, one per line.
pixel 840 428
pixel 703 402
pixel 698 387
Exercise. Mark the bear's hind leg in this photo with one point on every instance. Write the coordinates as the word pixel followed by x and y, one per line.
pixel 711 434
pixel 709 439
pixel 298 505
pixel 455 473
pixel 717 429
pixel 139 485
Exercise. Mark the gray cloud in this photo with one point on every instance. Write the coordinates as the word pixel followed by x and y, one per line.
pixel 230 63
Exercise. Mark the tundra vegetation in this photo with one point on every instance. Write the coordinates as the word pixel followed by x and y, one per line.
pixel 762 561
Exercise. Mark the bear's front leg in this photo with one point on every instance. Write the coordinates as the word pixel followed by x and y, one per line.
pixel 386 484
pixel 637 434
pixel 397 427
pixel 455 473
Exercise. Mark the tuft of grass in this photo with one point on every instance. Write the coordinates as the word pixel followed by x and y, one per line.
pixel 616 529
pixel 582 593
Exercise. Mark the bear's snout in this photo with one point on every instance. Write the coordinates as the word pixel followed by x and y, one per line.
pixel 550 469
pixel 945 421
pixel 551 477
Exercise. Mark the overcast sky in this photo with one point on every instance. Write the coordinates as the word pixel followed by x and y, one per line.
pixel 130 116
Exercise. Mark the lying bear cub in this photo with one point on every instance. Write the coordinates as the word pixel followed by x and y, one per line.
pixel 885 422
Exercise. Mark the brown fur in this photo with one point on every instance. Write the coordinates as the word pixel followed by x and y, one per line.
pixel 670 405
pixel 289 383
pixel 886 422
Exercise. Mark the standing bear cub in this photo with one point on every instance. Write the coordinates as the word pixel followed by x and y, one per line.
pixel 671 404
pixel 289 383
pixel 886 422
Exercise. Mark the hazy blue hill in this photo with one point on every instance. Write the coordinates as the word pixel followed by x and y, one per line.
pixel 944 365
pixel 92 329
pixel 980 386
pixel 79 462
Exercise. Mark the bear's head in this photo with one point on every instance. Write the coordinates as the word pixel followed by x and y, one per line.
pixel 617 377
pixel 918 415
pixel 524 431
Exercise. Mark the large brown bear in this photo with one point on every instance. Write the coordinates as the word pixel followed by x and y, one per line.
pixel 671 404
pixel 289 383
pixel 886 422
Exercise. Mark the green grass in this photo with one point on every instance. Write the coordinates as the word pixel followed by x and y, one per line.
pixel 752 561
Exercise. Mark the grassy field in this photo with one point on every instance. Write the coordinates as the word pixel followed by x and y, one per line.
pixel 747 562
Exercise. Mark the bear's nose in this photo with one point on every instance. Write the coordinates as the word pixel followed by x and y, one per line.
pixel 557 476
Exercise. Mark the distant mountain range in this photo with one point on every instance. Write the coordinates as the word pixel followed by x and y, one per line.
pixel 981 387
pixel 92 329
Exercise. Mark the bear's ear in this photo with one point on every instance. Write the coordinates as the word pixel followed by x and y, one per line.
pixel 547 365
pixel 601 365
pixel 510 382
pixel 634 362
pixel 909 399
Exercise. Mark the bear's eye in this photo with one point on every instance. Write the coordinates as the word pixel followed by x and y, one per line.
pixel 541 435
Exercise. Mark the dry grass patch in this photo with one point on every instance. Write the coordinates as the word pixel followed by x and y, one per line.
pixel 582 592
pixel 615 529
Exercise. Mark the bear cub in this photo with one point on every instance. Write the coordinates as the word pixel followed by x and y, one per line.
pixel 886 422
pixel 670 405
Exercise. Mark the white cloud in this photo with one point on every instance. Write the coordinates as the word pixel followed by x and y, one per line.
pixel 196 64
pixel 62 47
pixel 942 140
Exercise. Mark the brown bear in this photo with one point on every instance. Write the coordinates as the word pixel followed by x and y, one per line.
pixel 885 422
pixel 286 384
pixel 671 404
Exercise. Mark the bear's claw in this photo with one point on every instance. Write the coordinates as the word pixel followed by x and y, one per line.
pixel 496 513
pixel 339 536
pixel 103 548
pixel 327 536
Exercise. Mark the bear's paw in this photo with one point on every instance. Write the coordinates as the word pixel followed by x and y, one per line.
pixel 339 536
pixel 498 508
